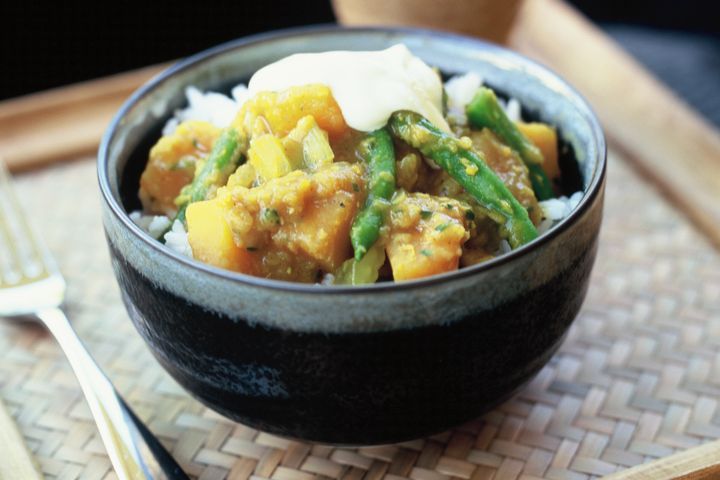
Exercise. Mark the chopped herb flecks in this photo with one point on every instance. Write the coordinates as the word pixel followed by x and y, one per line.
pixel 270 215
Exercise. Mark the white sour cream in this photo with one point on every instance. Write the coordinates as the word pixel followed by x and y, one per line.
pixel 368 86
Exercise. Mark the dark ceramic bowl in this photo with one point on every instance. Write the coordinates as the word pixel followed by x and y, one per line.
pixel 354 365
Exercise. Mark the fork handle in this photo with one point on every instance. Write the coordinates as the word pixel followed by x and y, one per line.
pixel 134 452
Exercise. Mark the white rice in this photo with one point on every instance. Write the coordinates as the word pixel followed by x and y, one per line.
pixel 155 225
pixel 460 90
pixel 211 107
pixel 512 109
pixel 176 238
pixel 555 209
pixel 220 110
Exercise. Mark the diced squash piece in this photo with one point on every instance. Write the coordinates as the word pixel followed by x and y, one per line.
pixel 545 138
pixel 298 225
pixel 171 165
pixel 244 176
pixel 323 231
pixel 267 156
pixel 419 254
pixel 316 149
pixel 211 239
pixel 282 110
pixel 426 235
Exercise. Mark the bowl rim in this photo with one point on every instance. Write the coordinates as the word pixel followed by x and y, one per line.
pixel 536 69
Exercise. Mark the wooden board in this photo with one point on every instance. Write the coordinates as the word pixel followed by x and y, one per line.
pixel 637 379
pixel 66 122
pixel 17 462
pixel 663 137
pixel 697 463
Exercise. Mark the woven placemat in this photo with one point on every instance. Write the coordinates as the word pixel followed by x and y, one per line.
pixel 637 378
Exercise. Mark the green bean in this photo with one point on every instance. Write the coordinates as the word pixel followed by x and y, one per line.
pixel 540 182
pixel 222 161
pixel 462 163
pixel 485 111
pixel 377 151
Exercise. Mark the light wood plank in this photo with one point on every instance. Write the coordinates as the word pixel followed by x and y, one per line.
pixel 697 463
pixel 17 462
pixel 666 140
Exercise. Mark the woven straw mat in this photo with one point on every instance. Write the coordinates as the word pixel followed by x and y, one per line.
pixel 637 378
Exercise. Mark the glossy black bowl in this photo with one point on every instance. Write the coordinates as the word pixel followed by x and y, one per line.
pixel 353 365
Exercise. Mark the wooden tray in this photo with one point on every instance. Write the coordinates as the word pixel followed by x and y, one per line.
pixel 637 378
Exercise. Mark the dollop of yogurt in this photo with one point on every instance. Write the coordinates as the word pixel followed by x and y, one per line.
pixel 368 86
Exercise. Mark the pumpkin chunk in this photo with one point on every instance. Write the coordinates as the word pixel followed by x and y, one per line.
pixel 298 225
pixel 171 165
pixel 426 235
pixel 282 110
pixel 212 240
pixel 545 138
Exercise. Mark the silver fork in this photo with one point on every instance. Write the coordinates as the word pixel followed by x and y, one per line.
pixel 31 286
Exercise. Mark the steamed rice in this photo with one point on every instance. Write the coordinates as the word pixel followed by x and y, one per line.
pixel 155 225
pixel 220 110
pixel 460 91
pixel 177 239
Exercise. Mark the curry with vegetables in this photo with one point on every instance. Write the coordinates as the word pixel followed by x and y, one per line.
pixel 293 190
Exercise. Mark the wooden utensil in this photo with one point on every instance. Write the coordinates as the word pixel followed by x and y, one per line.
pixel 17 462
pixel 697 463
pixel 673 146
pixel 489 19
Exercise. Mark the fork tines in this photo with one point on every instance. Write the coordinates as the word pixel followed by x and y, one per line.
pixel 23 258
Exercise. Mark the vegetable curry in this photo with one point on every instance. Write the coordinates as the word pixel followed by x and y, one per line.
pixel 290 191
